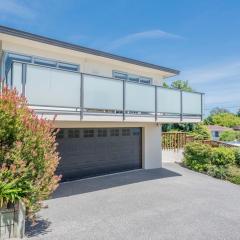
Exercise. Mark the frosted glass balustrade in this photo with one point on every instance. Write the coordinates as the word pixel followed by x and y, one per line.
pixel 140 97
pixel 58 88
pixel 191 103
pixel 103 93
pixel 52 87
pixel 17 77
pixel 169 101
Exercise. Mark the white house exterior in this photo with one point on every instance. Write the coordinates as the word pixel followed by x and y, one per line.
pixel 216 131
pixel 109 108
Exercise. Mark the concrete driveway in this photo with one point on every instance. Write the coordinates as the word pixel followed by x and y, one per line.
pixel 168 203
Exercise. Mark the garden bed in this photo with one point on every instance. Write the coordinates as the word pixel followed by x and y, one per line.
pixel 219 162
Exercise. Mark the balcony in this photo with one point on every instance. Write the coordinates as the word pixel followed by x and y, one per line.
pixel 77 96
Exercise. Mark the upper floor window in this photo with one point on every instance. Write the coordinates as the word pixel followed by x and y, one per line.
pixel 67 66
pixel 39 61
pixel 120 75
pixel 145 80
pixel 45 62
pixel 18 57
pixel 131 77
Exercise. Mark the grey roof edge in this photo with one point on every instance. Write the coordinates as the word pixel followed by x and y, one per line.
pixel 75 47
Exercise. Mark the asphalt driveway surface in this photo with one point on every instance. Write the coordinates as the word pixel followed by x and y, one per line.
pixel 168 203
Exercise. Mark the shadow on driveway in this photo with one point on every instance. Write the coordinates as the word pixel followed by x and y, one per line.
pixel 110 181
pixel 40 227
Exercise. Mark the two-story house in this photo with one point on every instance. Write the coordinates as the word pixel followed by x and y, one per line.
pixel 109 108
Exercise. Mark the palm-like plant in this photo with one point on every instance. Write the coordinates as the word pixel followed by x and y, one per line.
pixel 9 193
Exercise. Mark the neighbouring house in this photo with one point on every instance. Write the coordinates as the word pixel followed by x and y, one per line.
pixel 216 130
pixel 109 108
pixel 236 128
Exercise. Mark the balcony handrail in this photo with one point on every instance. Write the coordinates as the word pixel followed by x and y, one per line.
pixel 125 111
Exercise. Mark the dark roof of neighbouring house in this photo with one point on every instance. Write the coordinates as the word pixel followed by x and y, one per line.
pixel 236 128
pixel 218 128
pixel 58 43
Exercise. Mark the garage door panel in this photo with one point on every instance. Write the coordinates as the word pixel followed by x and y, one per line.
pixel 90 152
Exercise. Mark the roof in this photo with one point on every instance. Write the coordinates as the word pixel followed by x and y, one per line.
pixel 218 128
pixel 58 43
pixel 236 128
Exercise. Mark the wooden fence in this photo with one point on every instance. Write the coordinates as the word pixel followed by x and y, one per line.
pixel 214 143
pixel 177 140
pixel 173 140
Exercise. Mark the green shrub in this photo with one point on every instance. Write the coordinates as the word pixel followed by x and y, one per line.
pixel 222 156
pixel 28 157
pixel 233 174
pixel 229 136
pixel 217 171
pixel 223 119
pixel 200 132
pixel 197 156
pixel 237 156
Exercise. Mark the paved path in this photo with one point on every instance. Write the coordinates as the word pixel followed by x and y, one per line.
pixel 169 203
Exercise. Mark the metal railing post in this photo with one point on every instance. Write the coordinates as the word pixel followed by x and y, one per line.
pixel 201 107
pixel 156 105
pixel 124 99
pixel 181 106
pixel 10 81
pixel 24 78
pixel 81 96
pixel 2 76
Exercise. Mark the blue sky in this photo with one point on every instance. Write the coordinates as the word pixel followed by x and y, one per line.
pixel 199 38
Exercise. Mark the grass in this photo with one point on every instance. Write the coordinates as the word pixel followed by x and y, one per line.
pixel 233 174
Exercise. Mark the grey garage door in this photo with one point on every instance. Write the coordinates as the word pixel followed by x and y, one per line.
pixel 97 151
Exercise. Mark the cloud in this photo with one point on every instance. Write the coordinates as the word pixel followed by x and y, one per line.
pixel 14 8
pixel 152 34
pixel 219 81
pixel 222 96
pixel 214 73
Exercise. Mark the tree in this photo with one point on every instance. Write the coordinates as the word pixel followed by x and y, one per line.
pixel 218 110
pixel 165 85
pixel 238 112
pixel 230 136
pixel 179 84
pixel 223 119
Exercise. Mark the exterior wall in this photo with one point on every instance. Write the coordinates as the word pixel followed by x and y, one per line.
pixel 88 63
pixel 151 138
pixel 172 156
pixel 152 150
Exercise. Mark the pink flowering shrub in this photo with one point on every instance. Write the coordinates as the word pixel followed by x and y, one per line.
pixel 28 156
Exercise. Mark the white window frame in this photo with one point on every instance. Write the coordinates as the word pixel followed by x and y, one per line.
pixel 128 75
pixel 46 62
